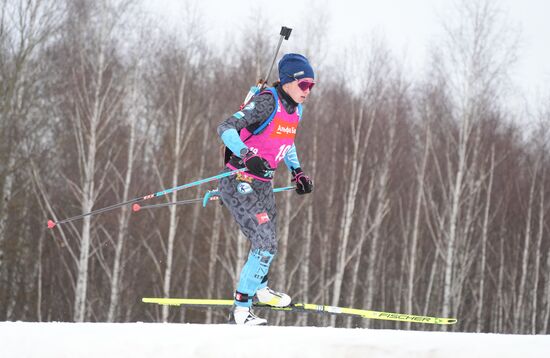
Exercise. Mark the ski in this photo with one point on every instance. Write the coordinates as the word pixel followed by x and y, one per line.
pixel 307 308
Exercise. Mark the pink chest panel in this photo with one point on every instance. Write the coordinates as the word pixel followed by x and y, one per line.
pixel 276 139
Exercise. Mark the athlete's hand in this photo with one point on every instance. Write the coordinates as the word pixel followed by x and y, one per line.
pixel 257 165
pixel 304 185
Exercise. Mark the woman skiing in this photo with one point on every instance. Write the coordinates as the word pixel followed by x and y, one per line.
pixel 259 137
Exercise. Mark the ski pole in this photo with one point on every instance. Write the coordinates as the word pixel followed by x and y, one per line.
pixel 211 195
pixel 286 188
pixel 136 207
pixel 285 35
pixel 52 224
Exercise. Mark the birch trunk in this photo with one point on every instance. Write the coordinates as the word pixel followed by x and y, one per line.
pixel 173 223
pixel 326 252
pixel 546 314
pixel 349 203
pixel 7 186
pixel 308 233
pixel 519 310
pixel 358 251
pixel 87 204
pixel 430 285
pixel 39 277
pixel 344 233
pixel 416 227
pixel 196 217
pixel 88 194
pixel 456 199
pixel 123 219
pixel 16 280
pixel 500 285
pixel 484 239
pixel 535 312
pixel 304 267
pixel 382 208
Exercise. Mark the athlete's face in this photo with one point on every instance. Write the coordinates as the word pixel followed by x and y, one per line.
pixel 299 89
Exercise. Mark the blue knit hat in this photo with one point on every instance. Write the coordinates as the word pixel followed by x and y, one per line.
pixel 294 66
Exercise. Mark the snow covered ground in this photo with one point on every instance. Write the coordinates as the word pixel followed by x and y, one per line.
pixel 156 340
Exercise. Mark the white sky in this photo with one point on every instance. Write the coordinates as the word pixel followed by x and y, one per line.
pixel 408 25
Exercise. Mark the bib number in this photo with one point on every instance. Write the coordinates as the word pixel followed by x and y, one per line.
pixel 282 152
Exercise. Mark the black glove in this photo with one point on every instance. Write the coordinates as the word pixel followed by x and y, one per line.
pixel 304 185
pixel 257 165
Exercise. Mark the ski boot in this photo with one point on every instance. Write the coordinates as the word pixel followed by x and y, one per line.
pixel 244 315
pixel 269 297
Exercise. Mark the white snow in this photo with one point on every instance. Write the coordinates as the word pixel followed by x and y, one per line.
pixel 157 340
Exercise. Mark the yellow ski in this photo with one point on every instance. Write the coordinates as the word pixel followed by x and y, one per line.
pixel 307 307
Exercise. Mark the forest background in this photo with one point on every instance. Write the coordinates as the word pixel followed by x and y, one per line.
pixel 430 191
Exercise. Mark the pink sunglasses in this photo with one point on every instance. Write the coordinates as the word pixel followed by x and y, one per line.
pixel 306 85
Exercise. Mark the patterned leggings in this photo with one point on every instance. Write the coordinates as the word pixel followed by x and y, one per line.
pixel 252 204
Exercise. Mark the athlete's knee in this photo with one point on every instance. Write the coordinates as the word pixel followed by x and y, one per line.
pixel 262 259
pixel 263 256
pixel 269 247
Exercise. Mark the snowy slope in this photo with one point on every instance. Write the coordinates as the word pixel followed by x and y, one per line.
pixel 151 340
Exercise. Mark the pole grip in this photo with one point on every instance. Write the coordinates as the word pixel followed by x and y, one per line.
pixel 285 34
pixel 285 31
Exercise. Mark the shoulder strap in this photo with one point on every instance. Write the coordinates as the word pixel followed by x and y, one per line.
pixel 270 118
pixel 226 151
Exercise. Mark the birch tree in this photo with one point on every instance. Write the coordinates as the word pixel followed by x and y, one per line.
pixel 363 117
pixel 484 240
pixel 24 28
pixel 475 62
pixel 415 229
pixel 545 309
pixel 382 179
pixel 92 76
pixel 178 84
pixel 134 111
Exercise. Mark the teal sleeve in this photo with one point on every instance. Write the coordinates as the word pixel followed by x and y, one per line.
pixel 291 159
pixel 232 140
